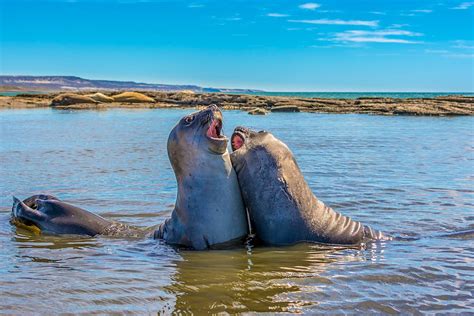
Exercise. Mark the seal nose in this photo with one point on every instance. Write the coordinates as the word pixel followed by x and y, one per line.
pixel 213 108
pixel 242 129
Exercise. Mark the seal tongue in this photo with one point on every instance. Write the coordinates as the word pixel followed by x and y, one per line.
pixel 214 130
pixel 237 141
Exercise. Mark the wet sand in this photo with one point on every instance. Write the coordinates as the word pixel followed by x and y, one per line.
pixel 438 106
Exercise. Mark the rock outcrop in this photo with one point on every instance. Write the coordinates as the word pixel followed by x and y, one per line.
pixel 132 97
pixel 100 97
pixel 438 106
pixel 258 111
pixel 66 99
pixel 285 108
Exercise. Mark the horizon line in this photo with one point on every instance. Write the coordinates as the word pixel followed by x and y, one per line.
pixel 227 88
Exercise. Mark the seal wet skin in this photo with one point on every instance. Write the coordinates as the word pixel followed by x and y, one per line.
pixel 283 209
pixel 209 211
pixel 47 213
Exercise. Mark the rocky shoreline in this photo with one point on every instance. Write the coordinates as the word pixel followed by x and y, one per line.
pixel 438 106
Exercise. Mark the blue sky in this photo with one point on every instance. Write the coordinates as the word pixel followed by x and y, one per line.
pixel 273 45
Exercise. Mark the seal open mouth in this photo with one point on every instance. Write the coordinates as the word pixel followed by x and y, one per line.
pixel 215 127
pixel 238 138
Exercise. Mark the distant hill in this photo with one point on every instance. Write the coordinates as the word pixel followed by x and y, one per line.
pixel 61 83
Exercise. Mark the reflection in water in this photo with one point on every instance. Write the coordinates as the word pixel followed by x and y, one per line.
pixel 407 176
pixel 260 280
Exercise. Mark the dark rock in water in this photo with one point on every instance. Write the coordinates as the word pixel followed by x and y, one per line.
pixel 70 99
pixel 258 111
pixel 285 108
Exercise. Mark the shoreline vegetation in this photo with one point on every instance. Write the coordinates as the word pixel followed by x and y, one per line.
pixel 448 105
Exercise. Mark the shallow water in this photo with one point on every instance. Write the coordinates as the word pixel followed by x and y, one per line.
pixel 407 176
pixel 355 95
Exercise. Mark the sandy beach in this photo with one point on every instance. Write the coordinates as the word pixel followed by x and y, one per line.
pixel 437 106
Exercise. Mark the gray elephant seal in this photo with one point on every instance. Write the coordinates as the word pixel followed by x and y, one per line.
pixel 49 214
pixel 209 211
pixel 283 209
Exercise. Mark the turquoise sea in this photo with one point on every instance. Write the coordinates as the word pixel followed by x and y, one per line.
pixel 355 95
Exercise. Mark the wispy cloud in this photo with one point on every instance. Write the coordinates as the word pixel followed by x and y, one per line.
pixel 449 54
pixel 233 19
pixel 309 6
pixel 337 22
pixel 381 36
pixel 422 11
pixel 463 44
pixel 396 26
pixel 471 56
pixel 277 15
pixel 195 5
pixel 436 51
pixel 378 12
pixel 463 6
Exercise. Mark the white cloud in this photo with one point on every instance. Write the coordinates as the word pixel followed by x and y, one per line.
pixel 449 54
pixel 378 13
pixel 396 26
pixel 277 15
pixel 330 11
pixel 436 51
pixel 422 11
pixel 195 5
pixel 309 6
pixel 337 22
pixel 463 44
pixel 381 36
pixel 460 56
pixel 463 6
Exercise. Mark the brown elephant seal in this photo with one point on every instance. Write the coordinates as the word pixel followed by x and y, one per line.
pixel 283 210
pixel 209 211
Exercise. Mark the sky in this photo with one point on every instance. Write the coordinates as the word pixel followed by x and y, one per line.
pixel 277 45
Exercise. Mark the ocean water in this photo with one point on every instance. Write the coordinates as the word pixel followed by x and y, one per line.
pixel 15 93
pixel 355 95
pixel 407 176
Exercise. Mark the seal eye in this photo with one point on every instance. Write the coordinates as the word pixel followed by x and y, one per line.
pixel 189 119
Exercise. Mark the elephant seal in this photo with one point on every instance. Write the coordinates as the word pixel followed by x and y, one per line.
pixel 209 211
pixel 46 213
pixel 283 210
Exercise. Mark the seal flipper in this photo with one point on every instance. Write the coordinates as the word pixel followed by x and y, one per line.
pixel 339 229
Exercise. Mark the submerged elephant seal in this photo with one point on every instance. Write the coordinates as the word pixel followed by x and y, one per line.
pixel 209 211
pixel 283 210
pixel 49 214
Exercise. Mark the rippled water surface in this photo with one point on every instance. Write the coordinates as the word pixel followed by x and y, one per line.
pixel 407 176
